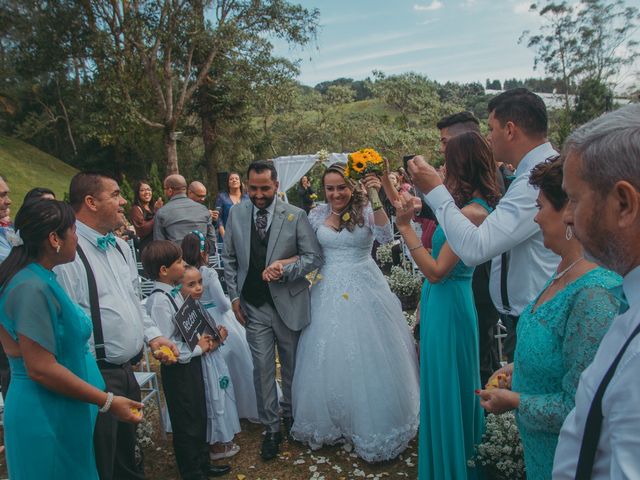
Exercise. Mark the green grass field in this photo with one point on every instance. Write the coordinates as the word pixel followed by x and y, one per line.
pixel 26 167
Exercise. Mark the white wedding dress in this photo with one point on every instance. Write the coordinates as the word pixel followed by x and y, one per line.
pixel 356 376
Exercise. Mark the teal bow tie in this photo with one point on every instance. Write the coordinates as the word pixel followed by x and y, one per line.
pixel 109 240
pixel 176 290
pixel 618 292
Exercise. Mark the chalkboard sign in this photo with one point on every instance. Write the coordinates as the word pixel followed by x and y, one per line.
pixel 193 321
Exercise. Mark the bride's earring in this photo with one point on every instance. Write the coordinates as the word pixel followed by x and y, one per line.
pixel 58 249
pixel 569 233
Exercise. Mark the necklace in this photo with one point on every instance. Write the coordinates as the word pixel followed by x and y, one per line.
pixel 561 274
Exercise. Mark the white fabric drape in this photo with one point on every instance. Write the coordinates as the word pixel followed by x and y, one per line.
pixel 292 168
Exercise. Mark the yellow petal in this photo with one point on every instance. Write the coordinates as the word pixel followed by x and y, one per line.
pixel 241 477
pixel 290 217
pixel 345 296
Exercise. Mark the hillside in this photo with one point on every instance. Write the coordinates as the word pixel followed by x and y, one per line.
pixel 26 167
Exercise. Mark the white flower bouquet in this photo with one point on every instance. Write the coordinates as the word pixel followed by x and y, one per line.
pixel 500 453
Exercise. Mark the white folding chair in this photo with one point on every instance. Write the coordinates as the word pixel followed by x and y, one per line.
pixel 149 387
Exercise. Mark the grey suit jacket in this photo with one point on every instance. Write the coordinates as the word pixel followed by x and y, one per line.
pixel 179 217
pixel 290 234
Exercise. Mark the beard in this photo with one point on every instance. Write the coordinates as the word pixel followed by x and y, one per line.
pixel 604 247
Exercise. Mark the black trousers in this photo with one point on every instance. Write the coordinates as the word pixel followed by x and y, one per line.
pixel 184 392
pixel 487 321
pixel 509 346
pixel 115 441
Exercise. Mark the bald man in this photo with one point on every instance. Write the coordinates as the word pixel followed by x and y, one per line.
pixel 181 215
pixel 198 192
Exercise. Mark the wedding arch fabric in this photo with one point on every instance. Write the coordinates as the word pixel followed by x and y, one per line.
pixel 292 168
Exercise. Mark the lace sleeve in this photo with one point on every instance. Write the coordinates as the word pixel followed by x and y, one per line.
pixel 588 320
pixel 383 234
pixel 318 215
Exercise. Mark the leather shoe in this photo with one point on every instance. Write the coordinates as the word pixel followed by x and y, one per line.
pixel 270 445
pixel 217 470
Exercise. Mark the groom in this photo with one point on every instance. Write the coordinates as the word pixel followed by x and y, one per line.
pixel 269 247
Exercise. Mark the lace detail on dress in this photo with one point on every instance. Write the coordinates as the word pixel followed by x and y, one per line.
pixel 555 344
pixel 383 234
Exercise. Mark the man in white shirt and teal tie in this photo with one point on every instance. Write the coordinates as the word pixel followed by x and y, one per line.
pixel 518 136
pixel 600 438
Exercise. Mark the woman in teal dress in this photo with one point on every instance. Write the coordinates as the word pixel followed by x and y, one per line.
pixel 56 387
pixel 451 420
pixel 558 333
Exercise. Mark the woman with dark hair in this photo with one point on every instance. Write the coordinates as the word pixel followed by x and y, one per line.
pixel 143 212
pixel 56 387
pixel 558 332
pixel 234 195
pixel 451 420
pixel 356 375
pixel 39 193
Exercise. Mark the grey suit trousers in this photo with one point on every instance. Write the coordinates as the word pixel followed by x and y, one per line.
pixel 264 330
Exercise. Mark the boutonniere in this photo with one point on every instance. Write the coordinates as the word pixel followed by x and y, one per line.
pixel 291 217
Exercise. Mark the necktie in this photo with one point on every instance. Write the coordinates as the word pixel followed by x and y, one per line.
pixel 109 240
pixel 176 290
pixel 618 292
pixel 261 223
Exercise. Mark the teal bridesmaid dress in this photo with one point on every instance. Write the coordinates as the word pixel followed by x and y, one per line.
pixel 48 435
pixel 451 420
pixel 556 342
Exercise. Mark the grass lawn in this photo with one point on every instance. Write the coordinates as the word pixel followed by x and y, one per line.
pixel 25 167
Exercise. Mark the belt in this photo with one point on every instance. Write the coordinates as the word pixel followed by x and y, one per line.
pixel 103 364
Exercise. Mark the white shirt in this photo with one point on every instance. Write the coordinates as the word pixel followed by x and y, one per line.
pixel 161 310
pixel 124 322
pixel 618 454
pixel 5 246
pixel 510 227
pixel 270 210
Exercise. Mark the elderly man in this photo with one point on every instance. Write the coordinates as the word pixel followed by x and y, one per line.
pixel 103 280
pixel 5 202
pixel 599 438
pixel 181 215
pixel 521 263
pixel 198 192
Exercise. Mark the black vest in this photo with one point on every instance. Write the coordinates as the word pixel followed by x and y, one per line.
pixel 255 291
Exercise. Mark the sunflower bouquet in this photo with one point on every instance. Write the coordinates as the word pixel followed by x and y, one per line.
pixel 364 162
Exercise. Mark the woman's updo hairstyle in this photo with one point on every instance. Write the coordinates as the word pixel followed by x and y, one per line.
pixel 33 224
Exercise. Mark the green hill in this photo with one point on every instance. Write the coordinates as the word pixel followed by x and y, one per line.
pixel 26 167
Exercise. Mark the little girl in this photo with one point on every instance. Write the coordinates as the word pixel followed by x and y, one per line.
pixel 236 352
pixel 222 415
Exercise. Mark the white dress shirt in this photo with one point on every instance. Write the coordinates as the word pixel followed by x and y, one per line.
pixel 510 227
pixel 618 454
pixel 125 324
pixel 161 310
pixel 270 211
pixel 5 246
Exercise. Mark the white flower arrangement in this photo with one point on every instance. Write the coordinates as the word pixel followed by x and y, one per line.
pixel 410 318
pixel 383 254
pixel 144 434
pixel 500 452
pixel 404 283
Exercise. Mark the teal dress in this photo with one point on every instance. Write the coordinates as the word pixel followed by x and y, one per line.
pixel 48 435
pixel 451 419
pixel 556 342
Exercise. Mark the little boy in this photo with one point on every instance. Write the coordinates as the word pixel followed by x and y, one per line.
pixel 182 382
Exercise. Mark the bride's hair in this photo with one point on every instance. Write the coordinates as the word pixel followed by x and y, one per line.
pixel 355 209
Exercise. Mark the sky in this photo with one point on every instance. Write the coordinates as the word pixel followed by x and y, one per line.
pixel 446 40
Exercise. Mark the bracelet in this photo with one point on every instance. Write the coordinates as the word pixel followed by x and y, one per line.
pixel 107 405
pixel 415 248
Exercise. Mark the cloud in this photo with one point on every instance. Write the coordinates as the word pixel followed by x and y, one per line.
pixel 338 62
pixel 434 5
pixel 520 8
pixel 468 3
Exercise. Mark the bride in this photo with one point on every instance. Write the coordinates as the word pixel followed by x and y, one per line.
pixel 356 376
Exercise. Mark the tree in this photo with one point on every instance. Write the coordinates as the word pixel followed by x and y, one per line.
pixel 592 39
pixel 493 84
pixel 594 98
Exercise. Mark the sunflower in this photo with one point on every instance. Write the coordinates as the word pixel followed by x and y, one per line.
pixel 358 166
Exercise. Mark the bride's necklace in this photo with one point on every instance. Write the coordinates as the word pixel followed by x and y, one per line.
pixel 561 274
